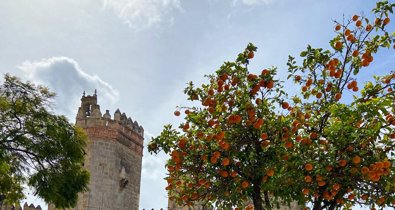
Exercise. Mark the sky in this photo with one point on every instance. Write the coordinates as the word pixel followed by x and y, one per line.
pixel 139 54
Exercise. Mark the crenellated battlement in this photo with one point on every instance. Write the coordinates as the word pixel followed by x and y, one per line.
pixel 120 127
pixel 18 207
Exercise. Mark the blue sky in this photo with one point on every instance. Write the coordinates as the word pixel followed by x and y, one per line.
pixel 139 54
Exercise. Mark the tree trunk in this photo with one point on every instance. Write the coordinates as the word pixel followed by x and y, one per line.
pixel 257 198
pixel 317 204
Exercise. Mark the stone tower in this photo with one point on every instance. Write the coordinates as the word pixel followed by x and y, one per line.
pixel 113 158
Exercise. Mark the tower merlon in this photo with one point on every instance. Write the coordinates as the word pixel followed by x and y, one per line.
pixel 120 128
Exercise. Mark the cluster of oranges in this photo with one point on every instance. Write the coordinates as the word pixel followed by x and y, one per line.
pixel 376 170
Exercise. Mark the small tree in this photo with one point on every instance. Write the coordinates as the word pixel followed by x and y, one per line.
pixel 248 142
pixel 37 147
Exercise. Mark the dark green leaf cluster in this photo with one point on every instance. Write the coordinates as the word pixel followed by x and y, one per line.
pixel 37 147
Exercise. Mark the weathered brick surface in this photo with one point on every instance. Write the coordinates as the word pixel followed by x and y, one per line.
pixel 113 158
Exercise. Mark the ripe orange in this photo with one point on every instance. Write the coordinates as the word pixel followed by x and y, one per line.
pixel 270 84
pixel 211 92
pixel 224 174
pixel 355 53
pixel 358 23
pixel 308 167
pixel 245 184
pixel 338 27
pixel 304 88
pixel 342 163
pixel 338 45
pixel 285 105
pixel 265 72
pixel 288 144
pixel 386 20
pixel 308 179
pixel 356 159
pixel 270 172
pixel 338 96
pixel 233 174
pixel 321 183
pixel 225 161
pixel 313 135
pixel 213 159
pixel 368 27
pixel 177 113
pixel 347 32
pixel 377 21
pixel 250 55
pixel 264 136
pixel 355 17
pixel 319 95
pixel 336 187
pixel 305 191
pixel 364 170
pixel 309 82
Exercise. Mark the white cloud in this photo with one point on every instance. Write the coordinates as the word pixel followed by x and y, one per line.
pixel 142 14
pixel 65 77
pixel 253 2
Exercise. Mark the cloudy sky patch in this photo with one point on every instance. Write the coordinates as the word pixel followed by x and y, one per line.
pixel 66 78
pixel 142 14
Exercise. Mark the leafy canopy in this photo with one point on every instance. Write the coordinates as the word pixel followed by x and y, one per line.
pixel 247 141
pixel 37 147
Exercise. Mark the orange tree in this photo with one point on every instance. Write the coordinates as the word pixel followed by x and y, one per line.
pixel 244 142
pixel 345 150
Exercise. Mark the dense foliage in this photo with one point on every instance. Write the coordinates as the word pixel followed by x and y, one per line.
pixel 247 141
pixel 37 147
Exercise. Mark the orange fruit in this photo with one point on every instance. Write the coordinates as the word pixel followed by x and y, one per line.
pixel 355 17
pixel 309 82
pixel 225 161
pixel 347 32
pixel 313 135
pixel 177 113
pixel 358 23
pixel 368 27
pixel 288 144
pixel 285 105
pixel 386 20
pixel 264 136
pixel 338 45
pixel 308 179
pixel 377 21
pixel 342 163
pixel 355 53
pixel 305 191
pixel 265 72
pixel 224 174
pixel 356 159
pixel 321 183
pixel 338 96
pixel 250 55
pixel 233 174
pixel 364 170
pixel 338 27
pixel 245 184
pixel 308 167
pixel 270 172
pixel 270 84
